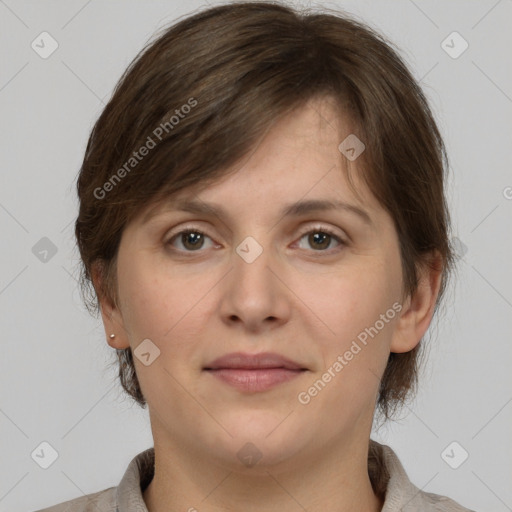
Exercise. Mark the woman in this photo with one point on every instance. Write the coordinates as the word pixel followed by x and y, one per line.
pixel 263 220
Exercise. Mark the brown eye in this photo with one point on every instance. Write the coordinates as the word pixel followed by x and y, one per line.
pixel 320 240
pixel 191 240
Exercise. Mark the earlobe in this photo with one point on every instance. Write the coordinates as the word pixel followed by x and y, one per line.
pixel 110 314
pixel 418 309
pixel 114 327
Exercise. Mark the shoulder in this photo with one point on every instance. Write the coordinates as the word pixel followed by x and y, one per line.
pixel 437 503
pixel 102 501
pixel 127 496
pixel 389 478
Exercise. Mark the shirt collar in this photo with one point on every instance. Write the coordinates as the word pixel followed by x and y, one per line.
pixel 136 478
pixel 386 472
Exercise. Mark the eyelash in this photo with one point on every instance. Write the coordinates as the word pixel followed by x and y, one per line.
pixel 316 229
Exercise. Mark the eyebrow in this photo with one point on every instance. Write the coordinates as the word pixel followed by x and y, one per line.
pixel 297 209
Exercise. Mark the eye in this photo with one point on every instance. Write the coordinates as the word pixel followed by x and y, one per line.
pixel 320 238
pixel 191 239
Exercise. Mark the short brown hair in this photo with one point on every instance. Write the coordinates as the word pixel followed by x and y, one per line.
pixel 205 91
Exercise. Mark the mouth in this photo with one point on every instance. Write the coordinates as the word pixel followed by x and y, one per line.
pixel 254 372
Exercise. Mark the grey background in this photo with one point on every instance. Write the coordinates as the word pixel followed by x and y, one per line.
pixel 56 384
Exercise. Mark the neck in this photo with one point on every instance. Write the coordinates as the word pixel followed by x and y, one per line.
pixel 336 480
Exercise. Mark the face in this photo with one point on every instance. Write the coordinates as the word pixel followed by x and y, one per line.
pixel 264 327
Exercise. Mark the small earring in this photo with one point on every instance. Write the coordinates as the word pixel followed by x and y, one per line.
pixel 112 336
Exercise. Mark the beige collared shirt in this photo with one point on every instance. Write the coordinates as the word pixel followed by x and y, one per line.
pixel 386 473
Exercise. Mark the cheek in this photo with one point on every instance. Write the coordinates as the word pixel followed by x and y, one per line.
pixel 357 320
pixel 163 305
pixel 350 300
pixel 354 348
pixel 165 309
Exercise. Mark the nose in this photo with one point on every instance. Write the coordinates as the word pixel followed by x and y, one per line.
pixel 255 297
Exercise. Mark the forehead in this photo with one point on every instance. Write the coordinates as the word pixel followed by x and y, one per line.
pixel 297 160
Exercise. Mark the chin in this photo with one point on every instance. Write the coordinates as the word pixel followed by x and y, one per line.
pixel 256 457
pixel 261 439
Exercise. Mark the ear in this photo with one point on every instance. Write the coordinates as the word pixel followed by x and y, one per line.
pixel 417 311
pixel 111 315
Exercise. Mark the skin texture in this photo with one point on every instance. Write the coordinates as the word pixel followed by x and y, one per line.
pixel 304 298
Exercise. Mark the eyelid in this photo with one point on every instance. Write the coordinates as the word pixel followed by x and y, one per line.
pixel 185 229
pixel 325 229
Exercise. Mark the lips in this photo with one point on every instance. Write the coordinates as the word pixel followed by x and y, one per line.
pixel 240 360
pixel 254 372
